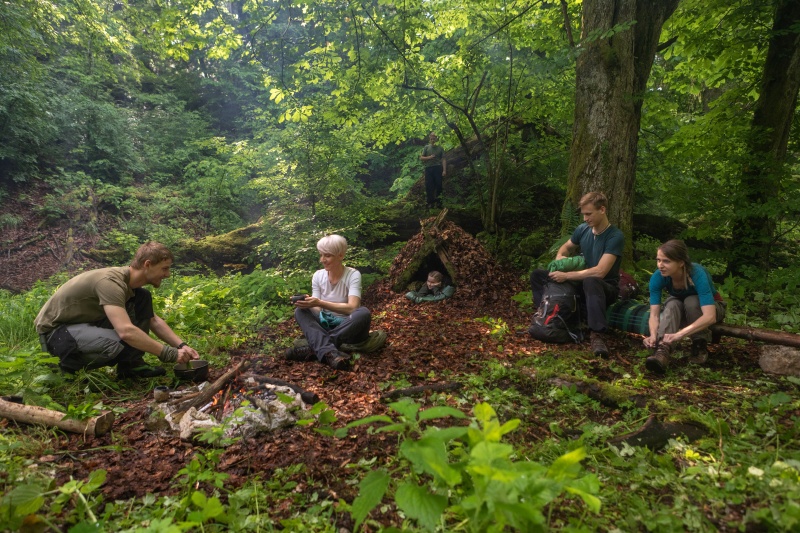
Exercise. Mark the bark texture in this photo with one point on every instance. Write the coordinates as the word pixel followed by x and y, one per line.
pixel 774 112
pixel 611 77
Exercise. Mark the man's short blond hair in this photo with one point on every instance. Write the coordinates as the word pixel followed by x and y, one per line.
pixel 332 244
pixel 597 199
pixel 152 251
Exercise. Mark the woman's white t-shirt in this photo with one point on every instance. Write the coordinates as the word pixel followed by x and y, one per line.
pixel 348 285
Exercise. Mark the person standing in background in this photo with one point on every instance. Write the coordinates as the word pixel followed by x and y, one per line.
pixel 435 169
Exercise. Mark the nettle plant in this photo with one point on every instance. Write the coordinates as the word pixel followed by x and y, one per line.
pixel 466 475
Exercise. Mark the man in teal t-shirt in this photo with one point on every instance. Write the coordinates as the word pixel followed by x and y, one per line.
pixel 601 245
pixel 435 168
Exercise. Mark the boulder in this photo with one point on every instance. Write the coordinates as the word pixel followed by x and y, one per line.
pixel 782 360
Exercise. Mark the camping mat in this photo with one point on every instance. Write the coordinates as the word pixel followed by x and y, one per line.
pixel 630 316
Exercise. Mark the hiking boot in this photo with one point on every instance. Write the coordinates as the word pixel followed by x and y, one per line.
pixel 336 360
pixel 373 343
pixel 699 353
pixel 659 361
pixel 598 342
pixel 140 371
pixel 299 343
pixel 300 353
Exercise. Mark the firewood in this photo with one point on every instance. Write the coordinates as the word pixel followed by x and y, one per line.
pixel 33 414
pixel 208 393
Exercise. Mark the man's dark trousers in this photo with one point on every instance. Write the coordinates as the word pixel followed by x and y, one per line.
pixel 433 185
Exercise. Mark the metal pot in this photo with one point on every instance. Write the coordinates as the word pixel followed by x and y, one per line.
pixel 195 371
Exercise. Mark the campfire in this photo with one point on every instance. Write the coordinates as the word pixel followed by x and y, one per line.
pixel 246 404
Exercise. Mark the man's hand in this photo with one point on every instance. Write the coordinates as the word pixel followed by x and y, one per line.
pixel 650 342
pixel 186 354
pixel 671 338
pixel 558 276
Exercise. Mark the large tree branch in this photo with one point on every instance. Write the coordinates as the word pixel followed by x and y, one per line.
pixel 567 23
pixel 449 102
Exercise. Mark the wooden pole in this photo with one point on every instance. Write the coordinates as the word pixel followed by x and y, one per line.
pixel 33 414
pixel 756 334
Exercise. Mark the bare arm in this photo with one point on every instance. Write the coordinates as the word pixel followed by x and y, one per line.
pixel 708 318
pixel 566 249
pixel 165 333
pixel 653 322
pixel 129 333
pixel 600 271
pixel 140 340
pixel 444 166
pixel 353 303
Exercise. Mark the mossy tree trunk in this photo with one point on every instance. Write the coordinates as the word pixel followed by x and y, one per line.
pixel 763 177
pixel 620 39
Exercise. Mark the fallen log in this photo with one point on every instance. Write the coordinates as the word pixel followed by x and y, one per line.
pixel 606 394
pixel 655 434
pixel 413 391
pixel 770 336
pixel 205 396
pixel 33 414
pixel 632 316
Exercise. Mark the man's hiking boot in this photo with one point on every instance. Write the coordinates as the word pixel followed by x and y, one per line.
pixel 373 343
pixel 336 360
pixel 140 371
pixel 699 353
pixel 300 353
pixel 659 361
pixel 598 342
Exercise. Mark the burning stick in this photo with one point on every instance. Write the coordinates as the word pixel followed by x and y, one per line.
pixel 209 392
pixel 308 397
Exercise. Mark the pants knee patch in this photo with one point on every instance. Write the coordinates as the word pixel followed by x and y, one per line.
pixel 61 343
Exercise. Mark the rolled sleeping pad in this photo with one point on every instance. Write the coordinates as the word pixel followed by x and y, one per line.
pixel 630 316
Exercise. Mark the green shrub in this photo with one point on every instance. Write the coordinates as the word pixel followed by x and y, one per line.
pixel 465 475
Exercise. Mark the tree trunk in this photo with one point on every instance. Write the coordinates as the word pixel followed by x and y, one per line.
pixel 762 177
pixel 611 77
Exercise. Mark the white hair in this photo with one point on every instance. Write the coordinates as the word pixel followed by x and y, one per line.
pixel 332 244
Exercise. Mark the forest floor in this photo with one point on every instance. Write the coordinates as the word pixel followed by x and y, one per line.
pixel 474 340
pixel 427 344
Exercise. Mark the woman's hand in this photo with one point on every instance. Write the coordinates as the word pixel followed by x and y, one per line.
pixel 308 302
pixel 650 342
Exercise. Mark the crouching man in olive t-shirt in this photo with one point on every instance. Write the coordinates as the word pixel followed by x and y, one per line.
pixel 103 317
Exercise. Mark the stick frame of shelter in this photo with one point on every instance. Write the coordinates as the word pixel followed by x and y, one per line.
pixel 433 243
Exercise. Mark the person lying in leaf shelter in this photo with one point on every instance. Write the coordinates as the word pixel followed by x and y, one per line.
pixel 435 289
